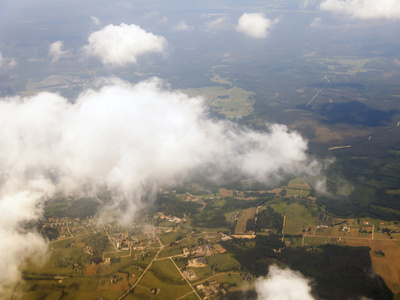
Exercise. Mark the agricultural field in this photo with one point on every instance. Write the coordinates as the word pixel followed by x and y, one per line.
pixel 299 183
pixel 297 215
pixel 387 262
pixel 245 215
pixel 164 277
pixel 226 193
pixel 223 262
pixel 233 102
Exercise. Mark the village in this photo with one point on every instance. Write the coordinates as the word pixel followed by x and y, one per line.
pixel 140 257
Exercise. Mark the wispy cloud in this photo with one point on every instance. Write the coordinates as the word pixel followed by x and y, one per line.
pixel 95 20
pixel 217 23
pixel 316 23
pixel 181 26
pixel 7 63
pixel 364 9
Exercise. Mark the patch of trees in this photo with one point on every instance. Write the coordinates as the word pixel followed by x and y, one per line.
pixel 283 192
pixel 387 200
pixel 114 260
pixel 347 208
pixel 98 243
pixel 81 208
pixel 339 272
pixel 170 205
pixel 210 219
pixel 239 295
pixel 213 216
pixel 50 233
pixel 366 200
pixel 255 260
pixel 269 219
pixel 250 225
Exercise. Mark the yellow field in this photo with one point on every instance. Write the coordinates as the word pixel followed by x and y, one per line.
pixel 357 242
pixel 388 267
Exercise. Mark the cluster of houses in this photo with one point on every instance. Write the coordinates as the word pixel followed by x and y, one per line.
pixel 66 226
pixel 172 219
pixel 197 262
pixel 120 240
pixel 201 252
pixel 115 278
pixel 207 250
pixel 211 289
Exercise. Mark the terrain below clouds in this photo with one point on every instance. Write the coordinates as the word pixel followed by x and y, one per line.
pixel 130 138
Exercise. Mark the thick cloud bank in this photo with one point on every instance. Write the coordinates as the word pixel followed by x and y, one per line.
pixel 364 9
pixel 283 284
pixel 121 45
pixel 255 25
pixel 128 138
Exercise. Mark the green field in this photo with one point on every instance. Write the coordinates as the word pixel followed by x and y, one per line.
pixel 299 183
pixel 315 241
pixel 297 215
pixel 170 251
pixel 163 276
pixel 168 238
pixel 223 262
pixel 233 102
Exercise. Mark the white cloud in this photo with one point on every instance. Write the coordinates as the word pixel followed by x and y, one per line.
pixel 181 26
pixel 56 52
pixel 129 138
pixel 7 63
pixel 364 9
pixel 283 284
pixel 255 25
pixel 121 45
pixel 95 20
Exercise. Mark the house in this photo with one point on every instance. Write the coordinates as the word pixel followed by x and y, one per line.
pixel 185 251
pixel 197 262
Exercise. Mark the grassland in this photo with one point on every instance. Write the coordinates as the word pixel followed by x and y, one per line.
pixel 315 241
pixel 223 262
pixel 344 65
pixel 163 276
pixel 233 102
pixel 246 214
pixel 297 215
pixel 226 193
pixel 298 183
pixel 393 192
pixel 170 237
pixel 170 251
